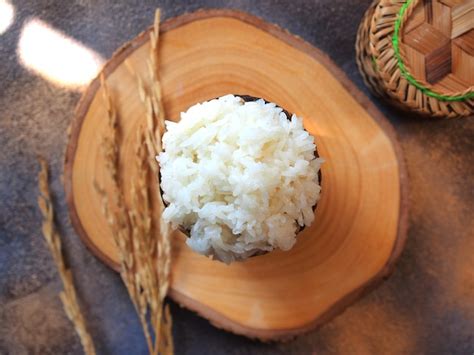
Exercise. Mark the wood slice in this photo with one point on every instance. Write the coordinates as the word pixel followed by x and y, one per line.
pixel 361 219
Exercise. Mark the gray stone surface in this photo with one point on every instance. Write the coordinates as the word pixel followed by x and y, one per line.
pixel 427 306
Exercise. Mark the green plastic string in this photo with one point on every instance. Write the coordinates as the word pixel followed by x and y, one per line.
pixel 407 75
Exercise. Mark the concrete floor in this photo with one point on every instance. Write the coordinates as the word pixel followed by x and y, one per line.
pixel 426 307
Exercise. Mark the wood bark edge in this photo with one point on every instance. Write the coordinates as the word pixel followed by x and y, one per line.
pixel 214 317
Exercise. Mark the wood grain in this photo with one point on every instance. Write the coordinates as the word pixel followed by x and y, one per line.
pixel 417 18
pixel 442 18
pixel 429 47
pixel 463 57
pixel 361 220
pixel 462 18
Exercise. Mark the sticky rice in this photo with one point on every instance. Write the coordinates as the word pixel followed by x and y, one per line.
pixel 241 178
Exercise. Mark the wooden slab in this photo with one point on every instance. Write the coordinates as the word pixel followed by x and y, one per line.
pixel 361 220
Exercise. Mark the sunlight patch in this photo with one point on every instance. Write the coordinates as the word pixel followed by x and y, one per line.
pixel 56 56
pixel 7 15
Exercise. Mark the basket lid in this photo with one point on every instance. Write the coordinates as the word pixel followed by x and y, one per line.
pixel 424 51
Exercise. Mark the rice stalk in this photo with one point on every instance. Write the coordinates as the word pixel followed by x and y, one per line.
pixel 155 131
pixel 68 296
pixel 143 244
pixel 167 347
pixel 121 221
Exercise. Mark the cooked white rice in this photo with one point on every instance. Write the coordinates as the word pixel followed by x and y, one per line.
pixel 240 176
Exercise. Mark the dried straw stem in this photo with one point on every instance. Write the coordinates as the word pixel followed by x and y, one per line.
pixel 68 295
pixel 166 343
pixel 118 215
pixel 144 247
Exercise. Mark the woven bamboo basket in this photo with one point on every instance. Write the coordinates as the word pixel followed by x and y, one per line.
pixel 419 55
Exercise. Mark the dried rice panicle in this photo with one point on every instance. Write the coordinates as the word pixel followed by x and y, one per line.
pixel 143 245
pixel 68 296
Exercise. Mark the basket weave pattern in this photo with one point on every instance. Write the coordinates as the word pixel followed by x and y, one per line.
pixel 388 76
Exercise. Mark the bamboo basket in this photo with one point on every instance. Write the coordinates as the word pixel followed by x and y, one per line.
pixel 419 55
